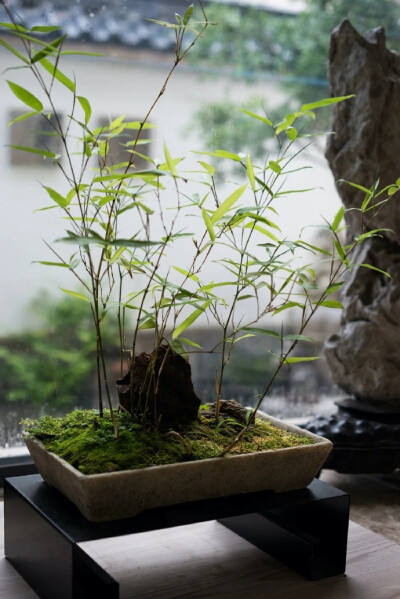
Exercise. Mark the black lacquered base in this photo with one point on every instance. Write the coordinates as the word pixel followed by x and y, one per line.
pixel 306 530
pixel 365 437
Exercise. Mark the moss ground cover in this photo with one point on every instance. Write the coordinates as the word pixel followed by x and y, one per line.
pixel 88 443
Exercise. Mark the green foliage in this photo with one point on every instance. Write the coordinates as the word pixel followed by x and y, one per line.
pixel 230 225
pixel 53 364
pixel 87 442
pixel 253 41
pixel 226 126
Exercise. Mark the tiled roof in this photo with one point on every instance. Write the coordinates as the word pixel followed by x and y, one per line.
pixel 108 21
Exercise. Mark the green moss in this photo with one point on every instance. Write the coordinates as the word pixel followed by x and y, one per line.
pixel 88 443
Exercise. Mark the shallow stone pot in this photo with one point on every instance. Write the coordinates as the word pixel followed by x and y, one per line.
pixel 115 495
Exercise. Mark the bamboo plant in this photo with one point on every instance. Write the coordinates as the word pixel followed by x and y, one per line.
pixel 232 225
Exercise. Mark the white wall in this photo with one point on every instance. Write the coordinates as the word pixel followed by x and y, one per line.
pixel 123 85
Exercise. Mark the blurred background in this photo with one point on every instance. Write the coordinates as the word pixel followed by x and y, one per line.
pixel 268 57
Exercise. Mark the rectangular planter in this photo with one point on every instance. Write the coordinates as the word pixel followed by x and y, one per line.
pixel 115 495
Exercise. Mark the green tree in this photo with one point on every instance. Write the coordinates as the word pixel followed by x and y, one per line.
pixel 255 43
pixel 53 364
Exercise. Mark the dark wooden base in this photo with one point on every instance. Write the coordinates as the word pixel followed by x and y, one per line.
pixel 306 530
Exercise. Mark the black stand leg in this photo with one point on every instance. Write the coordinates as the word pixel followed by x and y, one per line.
pixel 310 539
pixel 90 580
pixel 37 550
pixel 305 529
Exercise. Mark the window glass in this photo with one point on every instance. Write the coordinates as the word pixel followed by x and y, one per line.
pixel 264 57
pixel 35 132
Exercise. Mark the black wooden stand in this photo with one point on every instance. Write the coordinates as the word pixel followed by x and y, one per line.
pixel 306 530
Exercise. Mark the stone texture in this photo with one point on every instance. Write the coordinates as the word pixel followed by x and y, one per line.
pixel 114 495
pixel 366 143
pixel 162 389
pixel 229 408
pixel 364 356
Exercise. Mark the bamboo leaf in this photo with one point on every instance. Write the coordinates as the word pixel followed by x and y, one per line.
pixel 243 337
pixel 262 219
pixel 134 243
pixel 49 49
pixel 56 197
pixel 44 29
pixel 164 24
pixel 75 294
pixel 22 117
pixel 273 165
pixel 338 218
pixel 259 331
pixel 170 162
pixel 356 186
pixel 383 272
pixel 332 288
pixel 222 154
pixel 73 192
pixel 295 337
pixel 257 116
pixel 325 102
pixel 148 323
pixel 313 247
pixel 14 51
pixel 210 169
pixel 45 263
pixel 263 231
pixel 228 203
pixel 190 319
pixel 117 254
pixel 341 252
pixel 179 348
pixel 209 224
pixel 250 173
pixel 287 306
pixel 288 191
pixel 25 96
pixel 298 359
pixel 136 125
pixel 80 53
pixel 87 109
pixel 332 304
pixel 57 74
pixel 186 273
pixel 121 176
pixel 373 233
pixel 44 153
pixel 189 342
pixel 12 26
pixel 188 14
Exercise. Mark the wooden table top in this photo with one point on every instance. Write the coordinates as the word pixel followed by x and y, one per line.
pixel 208 561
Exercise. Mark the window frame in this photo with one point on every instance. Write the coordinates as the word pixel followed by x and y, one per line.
pixel 16 466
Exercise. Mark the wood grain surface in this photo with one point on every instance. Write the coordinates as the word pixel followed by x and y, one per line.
pixel 208 561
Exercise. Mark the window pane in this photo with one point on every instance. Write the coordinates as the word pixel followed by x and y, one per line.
pixel 257 60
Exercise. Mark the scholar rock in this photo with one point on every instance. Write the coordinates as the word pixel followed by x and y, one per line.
pixel 364 356
pixel 162 389
pixel 366 144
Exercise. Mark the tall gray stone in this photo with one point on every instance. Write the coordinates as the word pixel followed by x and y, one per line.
pixel 364 357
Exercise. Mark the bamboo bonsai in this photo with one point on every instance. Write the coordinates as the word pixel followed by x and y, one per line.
pixel 134 273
